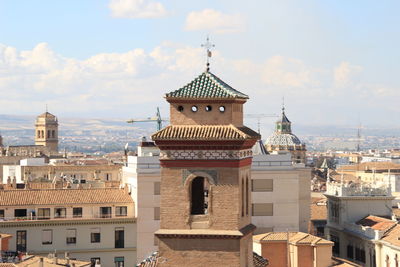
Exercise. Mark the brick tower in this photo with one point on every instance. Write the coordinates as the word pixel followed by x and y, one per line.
pixel 205 177
pixel 46 131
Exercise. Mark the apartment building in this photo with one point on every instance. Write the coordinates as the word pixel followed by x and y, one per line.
pixel 91 224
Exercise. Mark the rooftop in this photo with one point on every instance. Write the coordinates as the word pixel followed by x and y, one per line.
pixel 24 197
pixel 205 132
pixel 295 238
pixel 35 261
pixel 376 222
pixel 207 85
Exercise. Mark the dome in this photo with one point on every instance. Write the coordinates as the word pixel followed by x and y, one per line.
pixel 283 139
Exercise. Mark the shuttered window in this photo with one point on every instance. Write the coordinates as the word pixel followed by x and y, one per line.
pixel 263 209
pixel 47 237
pixel 262 185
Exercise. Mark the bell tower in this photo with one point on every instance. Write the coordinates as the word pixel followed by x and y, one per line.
pixel 205 177
pixel 46 131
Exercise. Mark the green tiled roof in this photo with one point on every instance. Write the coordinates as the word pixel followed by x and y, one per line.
pixel 207 85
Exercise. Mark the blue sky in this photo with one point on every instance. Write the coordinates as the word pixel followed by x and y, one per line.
pixel 334 60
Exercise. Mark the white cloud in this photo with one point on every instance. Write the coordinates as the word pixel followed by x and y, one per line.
pixel 282 71
pixel 133 83
pixel 214 21
pixel 136 9
pixel 345 73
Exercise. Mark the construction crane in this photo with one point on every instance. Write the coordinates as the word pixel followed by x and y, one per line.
pixel 258 117
pixel 157 119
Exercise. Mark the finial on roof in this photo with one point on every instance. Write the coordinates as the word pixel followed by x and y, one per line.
pixel 208 45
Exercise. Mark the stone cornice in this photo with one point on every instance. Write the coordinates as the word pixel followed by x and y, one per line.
pixel 39 223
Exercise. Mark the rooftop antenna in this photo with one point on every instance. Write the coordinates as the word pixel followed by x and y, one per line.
pixel 208 46
pixel 46 108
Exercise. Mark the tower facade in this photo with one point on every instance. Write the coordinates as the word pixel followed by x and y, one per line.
pixel 46 131
pixel 284 140
pixel 205 159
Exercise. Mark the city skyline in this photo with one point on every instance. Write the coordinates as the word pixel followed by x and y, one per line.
pixel 331 61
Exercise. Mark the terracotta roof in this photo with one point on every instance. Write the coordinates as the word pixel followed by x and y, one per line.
pixel 207 85
pixel 205 132
pixel 297 238
pixel 24 197
pixel 382 165
pixel 339 262
pixel 376 222
pixel 47 115
pixel 319 211
pixel 34 261
pixel 151 261
pixel 259 261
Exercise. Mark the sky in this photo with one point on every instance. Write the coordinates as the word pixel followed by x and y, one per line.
pixel 335 62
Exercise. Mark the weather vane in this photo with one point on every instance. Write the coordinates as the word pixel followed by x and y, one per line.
pixel 208 45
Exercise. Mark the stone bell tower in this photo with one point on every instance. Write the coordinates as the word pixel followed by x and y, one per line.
pixel 205 177
pixel 46 131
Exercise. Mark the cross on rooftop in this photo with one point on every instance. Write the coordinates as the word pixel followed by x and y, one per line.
pixel 208 45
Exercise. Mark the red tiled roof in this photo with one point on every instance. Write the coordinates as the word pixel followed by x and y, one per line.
pixel 376 222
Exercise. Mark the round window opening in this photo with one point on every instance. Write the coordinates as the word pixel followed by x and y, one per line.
pixel 208 108
pixel 194 108
pixel 180 108
pixel 222 108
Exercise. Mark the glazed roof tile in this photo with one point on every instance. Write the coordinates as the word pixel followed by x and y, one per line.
pixel 205 132
pixel 207 85
pixel 24 197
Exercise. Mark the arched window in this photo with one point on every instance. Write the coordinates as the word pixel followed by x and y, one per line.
pixel 396 260
pixel 38 134
pixel 42 134
pixel 48 134
pixel 242 197
pixel 53 134
pixel 247 195
pixel 387 261
pixel 199 196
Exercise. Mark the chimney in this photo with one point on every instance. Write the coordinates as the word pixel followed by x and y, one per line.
pixel 41 264
pixel 67 258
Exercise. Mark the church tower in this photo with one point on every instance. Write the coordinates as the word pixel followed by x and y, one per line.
pixel 46 131
pixel 206 155
pixel 284 140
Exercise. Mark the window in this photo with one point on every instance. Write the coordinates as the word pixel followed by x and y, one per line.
pixel 21 241
pixel 60 213
pixel 47 237
pixel 20 213
pixel 121 211
pixel 53 134
pixel 194 108
pixel 156 213
pixel 208 108
pixel 242 197
pixel 157 188
pixel 119 237
pixel 350 251
pixel 263 209
pixel 95 235
pixel 247 196
pixel 221 109
pixel 108 176
pixel 320 231
pixel 180 108
pixel 336 247
pixel 44 213
pixel 105 212
pixel 94 262
pixel 71 236
pixel 119 261
pixel 262 185
pixel 199 196
pixel 333 211
pixel 1 214
pixel 77 212
pixel 48 134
